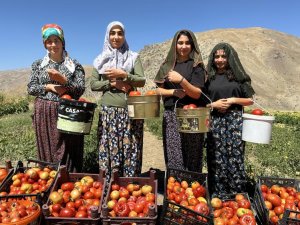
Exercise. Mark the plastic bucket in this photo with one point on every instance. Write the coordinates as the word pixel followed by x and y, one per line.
pixel 75 117
pixel 193 120
pixel 143 107
pixel 257 129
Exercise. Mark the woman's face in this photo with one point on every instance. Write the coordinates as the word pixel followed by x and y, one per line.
pixel 183 47
pixel 54 45
pixel 116 37
pixel 220 60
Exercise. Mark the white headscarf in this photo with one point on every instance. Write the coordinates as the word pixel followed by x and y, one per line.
pixel 121 58
pixel 67 61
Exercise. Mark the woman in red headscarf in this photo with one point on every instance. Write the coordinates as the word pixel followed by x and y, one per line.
pixel 51 77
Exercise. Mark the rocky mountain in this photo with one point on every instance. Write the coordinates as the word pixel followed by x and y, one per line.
pixel 271 58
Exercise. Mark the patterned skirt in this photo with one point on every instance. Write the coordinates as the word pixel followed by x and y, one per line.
pixel 120 142
pixel 225 154
pixel 52 145
pixel 181 150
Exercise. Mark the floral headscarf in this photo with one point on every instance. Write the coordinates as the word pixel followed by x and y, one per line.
pixel 121 58
pixel 235 65
pixel 53 29
pixel 171 58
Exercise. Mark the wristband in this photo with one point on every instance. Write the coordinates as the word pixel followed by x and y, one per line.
pixel 181 80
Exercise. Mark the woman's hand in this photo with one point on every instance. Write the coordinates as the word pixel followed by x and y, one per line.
pixel 56 88
pixel 120 85
pixel 174 77
pixel 115 73
pixel 222 105
pixel 180 93
pixel 57 76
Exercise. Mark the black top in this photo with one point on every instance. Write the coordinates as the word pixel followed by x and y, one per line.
pixel 194 75
pixel 221 87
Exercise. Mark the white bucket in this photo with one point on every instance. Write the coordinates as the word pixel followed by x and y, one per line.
pixel 257 129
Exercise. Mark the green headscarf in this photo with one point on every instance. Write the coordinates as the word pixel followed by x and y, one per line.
pixel 235 65
pixel 170 60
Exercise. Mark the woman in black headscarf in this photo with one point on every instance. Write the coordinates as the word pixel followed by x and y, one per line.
pixel 229 88
pixel 180 79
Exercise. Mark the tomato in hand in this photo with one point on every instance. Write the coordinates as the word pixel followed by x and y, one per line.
pixel 258 112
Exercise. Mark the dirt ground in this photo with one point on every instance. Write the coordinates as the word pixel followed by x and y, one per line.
pixel 153 156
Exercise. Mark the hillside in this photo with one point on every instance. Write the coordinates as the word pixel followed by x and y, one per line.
pixel 271 58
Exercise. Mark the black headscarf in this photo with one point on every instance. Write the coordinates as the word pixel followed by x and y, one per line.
pixel 170 60
pixel 234 65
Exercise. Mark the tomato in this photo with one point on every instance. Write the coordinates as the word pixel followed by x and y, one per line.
pixel 115 186
pixel 81 214
pixel 81 99
pixel 244 203
pixel 274 199
pixel 124 192
pixel 87 180
pixel 66 212
pixel 247 219
pixel 88 195
pixel 55 197
pixel 121 209
pixel 199 191
pixel 258 112
pixel 97 184
pixel 3 174
pixel 202 208
pixel 66 96
pixel 56 207
pixel 138 207
pixel 135 93
pixel 151 92
pixel 67 186
pixel 227 213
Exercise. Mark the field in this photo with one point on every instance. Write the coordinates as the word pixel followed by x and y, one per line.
pixel 280 158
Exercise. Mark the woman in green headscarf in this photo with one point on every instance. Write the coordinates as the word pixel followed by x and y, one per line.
pixel 180 79
pixel 229 88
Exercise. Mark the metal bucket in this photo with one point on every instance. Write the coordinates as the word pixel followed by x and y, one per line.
pixel 193 120
pixel 143 107
pixel 75 117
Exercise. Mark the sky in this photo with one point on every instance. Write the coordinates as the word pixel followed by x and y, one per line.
pixel 146 22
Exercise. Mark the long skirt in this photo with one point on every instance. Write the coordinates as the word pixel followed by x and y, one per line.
pixel 52 145
pixel 181 150
pixel 120 142
pixel 225 154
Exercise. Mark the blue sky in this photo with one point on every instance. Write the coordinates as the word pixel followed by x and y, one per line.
pixel 146 23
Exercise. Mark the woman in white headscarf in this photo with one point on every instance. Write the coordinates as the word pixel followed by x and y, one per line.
pixel 117 71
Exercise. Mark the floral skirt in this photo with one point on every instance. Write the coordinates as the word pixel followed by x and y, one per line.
pixel 120 142
pixel 181 150
pixel 225 154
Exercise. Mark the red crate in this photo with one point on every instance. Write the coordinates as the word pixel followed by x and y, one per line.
pixel 174 213
pixel 124 181
pixel 65 176
pixel 262 211
pixel 20 168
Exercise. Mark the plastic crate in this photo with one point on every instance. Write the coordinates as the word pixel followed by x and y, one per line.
pixel 261 209
pixel 33 219
pixel 31 163
pixel 65 176
pixel 10 171
pixel 290 217
pixel 151 219
pixel 174 213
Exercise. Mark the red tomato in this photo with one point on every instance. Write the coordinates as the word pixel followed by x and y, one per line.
pixel 202 208
pixel 67 186
pixel 56 207
pixel 134 93
pixel 151 92
pixel 81 214
pixel 121 209
pixel 66 96
pixel 88 195
pixel 247 219
pixel 244 203
pixel 139 207
pixel 192 106
pixel 66 212
pixel 257 112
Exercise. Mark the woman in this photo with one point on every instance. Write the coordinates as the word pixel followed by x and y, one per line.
pixel 117 71
pixel 229 88
pixel 51 77
pixel 180 79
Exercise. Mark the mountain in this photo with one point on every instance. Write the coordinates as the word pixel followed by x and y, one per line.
pixel 271 58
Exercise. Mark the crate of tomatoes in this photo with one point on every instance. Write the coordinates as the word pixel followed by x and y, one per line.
pixel 75 198
pixel 5 172
pixel 233 209
pixel 273 196
pixel 130 200
pixel 33 179
pixel 186 198
pixel 19 210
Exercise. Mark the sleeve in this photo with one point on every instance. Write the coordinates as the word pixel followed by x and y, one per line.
pixel 247 89
pixel 76 83
pixel 136 78
pixel 198 77
pixel 35 87
pixel 97 83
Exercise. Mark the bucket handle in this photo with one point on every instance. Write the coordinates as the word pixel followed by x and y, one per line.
pixel 255 103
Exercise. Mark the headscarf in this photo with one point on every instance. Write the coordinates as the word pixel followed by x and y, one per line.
pixel 235 65
pixel 171 58
pixel 121 58
pixel 54 29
